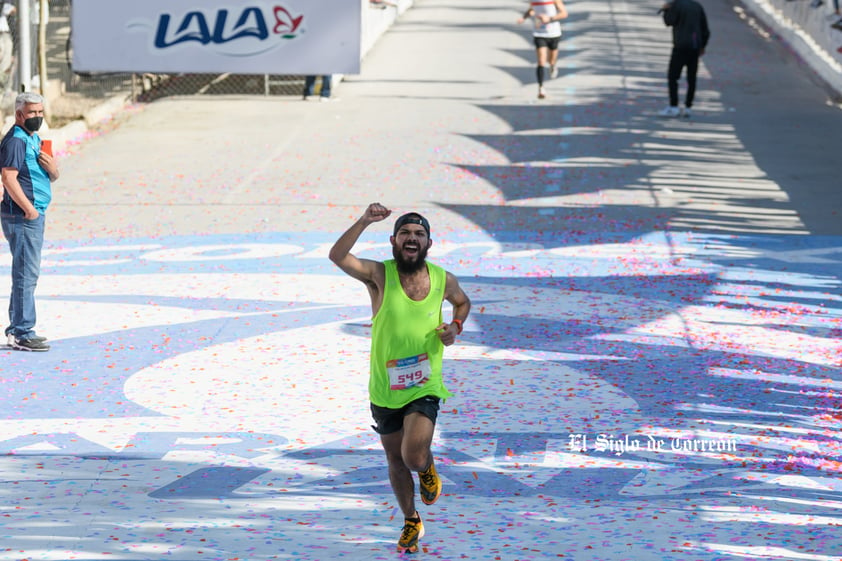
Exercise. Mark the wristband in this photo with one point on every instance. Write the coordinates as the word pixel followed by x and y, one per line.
pixel 458 323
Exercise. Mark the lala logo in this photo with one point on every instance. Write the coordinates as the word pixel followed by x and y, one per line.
pixel 243 31
pixel 285 21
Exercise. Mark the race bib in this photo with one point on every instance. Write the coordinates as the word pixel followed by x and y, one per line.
pixel 405 373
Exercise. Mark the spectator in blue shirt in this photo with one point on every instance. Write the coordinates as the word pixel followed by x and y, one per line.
pixel 27 173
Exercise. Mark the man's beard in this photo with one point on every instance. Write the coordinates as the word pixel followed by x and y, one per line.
pixel 408 267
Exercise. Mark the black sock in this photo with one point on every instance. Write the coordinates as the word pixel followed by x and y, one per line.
pixel 539 72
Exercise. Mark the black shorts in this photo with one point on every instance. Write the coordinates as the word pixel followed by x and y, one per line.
pixel 391 420
pixel 550 42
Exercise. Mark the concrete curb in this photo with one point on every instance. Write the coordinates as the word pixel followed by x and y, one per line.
pixel 75 130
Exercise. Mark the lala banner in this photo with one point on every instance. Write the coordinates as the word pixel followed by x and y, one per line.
pixel 237 36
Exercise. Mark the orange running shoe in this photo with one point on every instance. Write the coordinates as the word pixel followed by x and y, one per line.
pixel 413 530
pixel 430 484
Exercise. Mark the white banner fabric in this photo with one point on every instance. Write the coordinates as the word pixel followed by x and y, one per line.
pixel 217 36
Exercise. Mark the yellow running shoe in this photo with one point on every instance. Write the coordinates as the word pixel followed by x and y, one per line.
pixel 413 530
pixel 430 484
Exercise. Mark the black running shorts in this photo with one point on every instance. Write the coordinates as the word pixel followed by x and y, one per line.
pixel 391 420
pixel 549 42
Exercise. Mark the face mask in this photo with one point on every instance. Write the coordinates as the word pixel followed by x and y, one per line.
pixel 33 123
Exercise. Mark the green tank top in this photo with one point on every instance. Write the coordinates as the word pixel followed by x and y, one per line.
pixel 406 352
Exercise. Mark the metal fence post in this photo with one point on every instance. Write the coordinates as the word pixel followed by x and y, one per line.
pixel 24 45
pixel 43 16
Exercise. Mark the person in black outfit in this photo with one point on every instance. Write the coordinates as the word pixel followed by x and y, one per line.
pixel 690 34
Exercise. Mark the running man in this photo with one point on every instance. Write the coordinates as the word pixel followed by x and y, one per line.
pixel 546 18
pixel 408 338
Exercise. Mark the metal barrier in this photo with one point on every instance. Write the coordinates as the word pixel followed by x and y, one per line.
pixel 812 29
pixel 69 94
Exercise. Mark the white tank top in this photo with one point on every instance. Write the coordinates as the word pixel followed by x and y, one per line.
pixel 544 7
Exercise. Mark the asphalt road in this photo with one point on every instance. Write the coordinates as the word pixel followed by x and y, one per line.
pixel 444 118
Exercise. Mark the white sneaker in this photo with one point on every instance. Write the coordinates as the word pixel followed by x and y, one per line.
pixel 30 345
pixel 670 111
pixel 11 339
pixel 686 113
pixel 553 71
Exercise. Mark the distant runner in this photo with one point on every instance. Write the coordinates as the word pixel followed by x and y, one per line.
pixel 546 18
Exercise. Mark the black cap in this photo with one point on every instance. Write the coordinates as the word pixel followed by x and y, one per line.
pixel 411 218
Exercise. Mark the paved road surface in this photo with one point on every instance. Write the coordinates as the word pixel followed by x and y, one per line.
pixel 651 370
